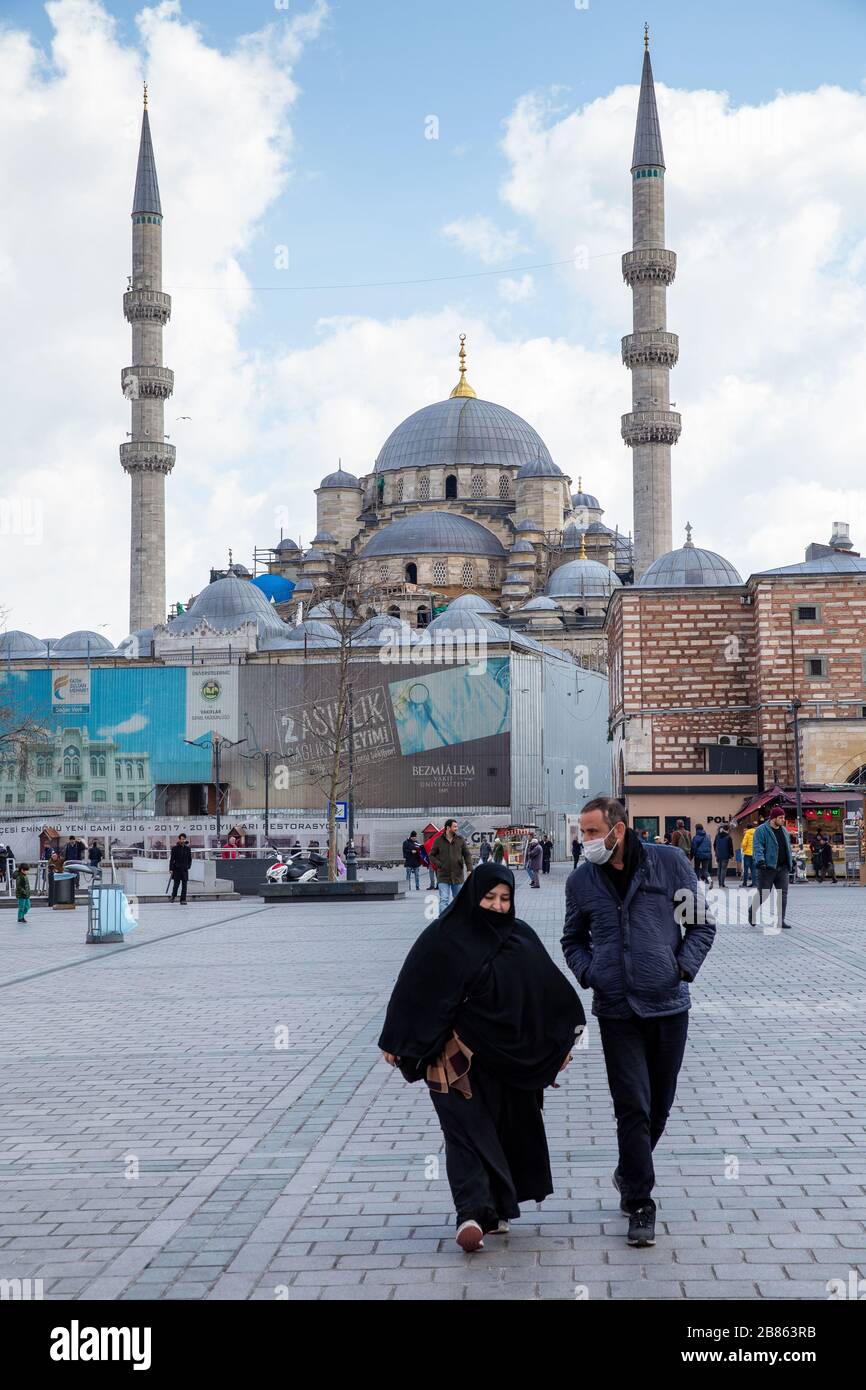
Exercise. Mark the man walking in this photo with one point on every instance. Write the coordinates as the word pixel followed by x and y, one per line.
pixel 723 847
pixel 534 861
pixel 412 859
pixel 179 866
pixel 449 854
pixel 828 867
pixel 576 851
pixel 546 852
pixel 702 853
pixel 624 940
pixel 681 839
pixel 748 863
pixel 773 862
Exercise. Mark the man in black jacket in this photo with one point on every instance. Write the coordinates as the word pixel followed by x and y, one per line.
pixel 179 866
pixel 412 860
pixel 723 846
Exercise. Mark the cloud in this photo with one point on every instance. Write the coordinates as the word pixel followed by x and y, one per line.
pixel 478 236
pixel 133 725
pixel 516 291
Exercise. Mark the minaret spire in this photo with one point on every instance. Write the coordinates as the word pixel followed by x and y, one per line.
pixel 147 384
pixel 650 351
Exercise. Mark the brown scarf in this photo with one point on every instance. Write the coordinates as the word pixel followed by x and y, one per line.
pixel 451 1069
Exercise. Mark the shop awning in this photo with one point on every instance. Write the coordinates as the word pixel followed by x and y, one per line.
pixel 787 797
pixel 756 802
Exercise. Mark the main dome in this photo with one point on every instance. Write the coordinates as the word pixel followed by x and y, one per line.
pixel 463 430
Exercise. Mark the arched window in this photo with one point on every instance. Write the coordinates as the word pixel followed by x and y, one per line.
pixel 102 765
pixel 394 611
pixel 99 794
pixel 440 572
pixel 118 771
pixel 580 612
pixel 139 767
pixel 94 765
pixel 422 617
pixel 451 485
pixel 71 763
pixel 129 772
pixel 399 489
pixel 411 573
pixel 43 796
pixel 467 575
pixel 424 487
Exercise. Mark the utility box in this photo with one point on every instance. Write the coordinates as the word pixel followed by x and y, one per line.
pixel 105 915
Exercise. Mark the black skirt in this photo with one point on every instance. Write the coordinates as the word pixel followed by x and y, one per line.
pixel 496 1153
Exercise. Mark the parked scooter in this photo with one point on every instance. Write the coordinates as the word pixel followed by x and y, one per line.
pixel 302 866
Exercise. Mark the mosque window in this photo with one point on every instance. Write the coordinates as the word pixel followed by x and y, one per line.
pixel 411 573
pixel 384 571
pixel 491 576
pixel 451 485
pixel 422 617
pixel 467 576
pixel 424 487
pixel 399 489
pixel 394 611
pixel 440 572
pixel 476 485
pixel 99 794
pixel 504 485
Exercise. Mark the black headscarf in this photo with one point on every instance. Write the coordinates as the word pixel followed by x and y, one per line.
pixel 487 976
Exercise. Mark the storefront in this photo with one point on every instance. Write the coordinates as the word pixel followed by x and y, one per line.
pixel 657 800
pixel 834 815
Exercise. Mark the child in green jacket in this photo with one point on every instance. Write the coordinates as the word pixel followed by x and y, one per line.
pixel 22 889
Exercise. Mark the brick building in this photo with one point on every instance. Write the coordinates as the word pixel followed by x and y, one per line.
pixel 708 672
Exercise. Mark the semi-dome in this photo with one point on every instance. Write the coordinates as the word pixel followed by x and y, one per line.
pixel 539 468
pixel 340 478
pixel 472 603
pixel 582 579
pixel 274 586
pixel 21 644
pixel 82 643
pixel 462 430
pixel 226 605
pixel 433 533
pixel 689 567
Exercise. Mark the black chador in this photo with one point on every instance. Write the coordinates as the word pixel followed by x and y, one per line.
pixel 481 1012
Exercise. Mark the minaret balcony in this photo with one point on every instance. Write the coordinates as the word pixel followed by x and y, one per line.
pixel 650 349
pixel 147 306
pixel 153 382
pixel 142 456
pixel 651 427
pixel 652 264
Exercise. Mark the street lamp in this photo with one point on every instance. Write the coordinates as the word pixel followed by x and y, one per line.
pixel 266 754
pixel 216 744
pixel 351 857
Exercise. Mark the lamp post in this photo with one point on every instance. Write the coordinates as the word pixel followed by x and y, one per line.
pixel 266 755
pixel 795 711
pixel 216 743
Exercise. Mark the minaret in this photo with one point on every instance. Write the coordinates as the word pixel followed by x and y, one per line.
pixel 147 384
pixel 650 351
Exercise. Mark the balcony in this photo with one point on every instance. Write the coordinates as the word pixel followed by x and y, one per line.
pixel 142 456
pixel 147 305
pixel 139 382
pixel 652 263
pixel 652 349
pixel 651 427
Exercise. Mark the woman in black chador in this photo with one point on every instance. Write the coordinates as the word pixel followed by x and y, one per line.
pixel 482 1013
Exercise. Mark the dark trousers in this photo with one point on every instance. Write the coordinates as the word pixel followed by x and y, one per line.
pixel 179 881
pixel 748 871
pixel 768 879
pixel 723 871
pixel 643 1057
pixel 575 858
pixel 702 869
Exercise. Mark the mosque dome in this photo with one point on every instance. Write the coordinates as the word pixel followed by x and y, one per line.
pixel 582 579
pixel 324 538
pixel 375 630
pixel 572 536
pixel 463 431
pixel 20 645
pixel 303 586
pixel 522 548
pixel 527 525
pixel 340 478
pixel 309 633
pixel 433 533
pixel 274 586
pixel 586 499
pixel 689 567
pixel 82 643
pixel 471 603
pixel 541 604
pixel 227 604
pixel 314 554
pixel 539 468
pixel 286 544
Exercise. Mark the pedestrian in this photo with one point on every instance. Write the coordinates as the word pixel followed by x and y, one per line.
pixel 22 891
pixel 72 853
pixel 425 860
pixel 4 861
pixel 623 940
pixel 817 863
pixel 773 861
pixel 449 856
pixel 681 839
pixel 55 866
pixel 534 861
pixel 723 848
pixel 576 851
pixel 748 861
pixel 485 1017
pixel 546 851
pixel 498 850
pixel 702 852
pixel 484 851
pixel 95 855
pixel 827 863
pixel 412 859
pixel 179 865
pixel 230 848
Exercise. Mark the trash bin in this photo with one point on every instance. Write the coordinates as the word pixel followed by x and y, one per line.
pixel 64 891
pixel 105 914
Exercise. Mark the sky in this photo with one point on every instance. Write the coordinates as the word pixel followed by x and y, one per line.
pixel 346 188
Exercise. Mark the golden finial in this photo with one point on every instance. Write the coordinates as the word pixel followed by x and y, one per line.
pixel 462 388
pixel 145 96
pixel 582 554
pixel 646 38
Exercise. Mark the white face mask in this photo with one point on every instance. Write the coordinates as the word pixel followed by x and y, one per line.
pixel 596 851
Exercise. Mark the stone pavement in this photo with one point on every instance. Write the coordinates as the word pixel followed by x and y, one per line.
pixel 202 1113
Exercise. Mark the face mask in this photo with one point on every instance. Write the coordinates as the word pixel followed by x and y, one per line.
pixel 596 851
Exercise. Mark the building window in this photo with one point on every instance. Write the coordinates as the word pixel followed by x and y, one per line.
pixel 504 485
pixel 492 576
pixel 99 794
pixel 20 797
pixel 140 770
pixel 129 772
pixel 70 795
pixel 8 798
pixel 808 613
pixel 440 572
pixel 815 666
pixel 411 573
pixel 422 617
pixel 71 764
pixel 118 771
pixel 130 796
pixel 384 571
pixel 467 576
pixel 394 611
pixel 93 766
pixel 424 487
pixel 399 489
pixel 451 485
pixel 43 796
pixel 476 485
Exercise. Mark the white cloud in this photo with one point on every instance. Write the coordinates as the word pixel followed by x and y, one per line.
pixel 133 725
pixel 516 291
pixel 479 236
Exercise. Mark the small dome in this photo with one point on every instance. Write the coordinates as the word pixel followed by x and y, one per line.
pixel 21 644
pixel 274 586
pixel 312 632
pixel 462 430
pixel 226 605
pixel 527 525
pixel 340 479
pixel 582 579
pixel 330 609
pixel 473 603
pixel 137 643
pixel 572 535
pixel 433 533
pixel 303 586
pixel 375 631
pixel 81 643
pixel 689 567
pixel 541 604
pixel 324 538
pixel 315 555
pixel 539 468
pixel 239 571
pixel 286 544
pixel 586 499
pixel 522 548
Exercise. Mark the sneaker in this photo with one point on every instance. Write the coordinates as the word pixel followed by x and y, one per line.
pixel 642 1227
pixel 501 1230
pixel 470 1237
pixel 786 926
pixel 617 1182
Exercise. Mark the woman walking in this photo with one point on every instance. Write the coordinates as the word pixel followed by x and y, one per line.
pixel 22 892
pixel 485 1017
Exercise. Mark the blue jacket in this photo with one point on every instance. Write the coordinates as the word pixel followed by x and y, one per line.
pixel 765 848
pixel 724 846
pixel 701 847
pixel 631 953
